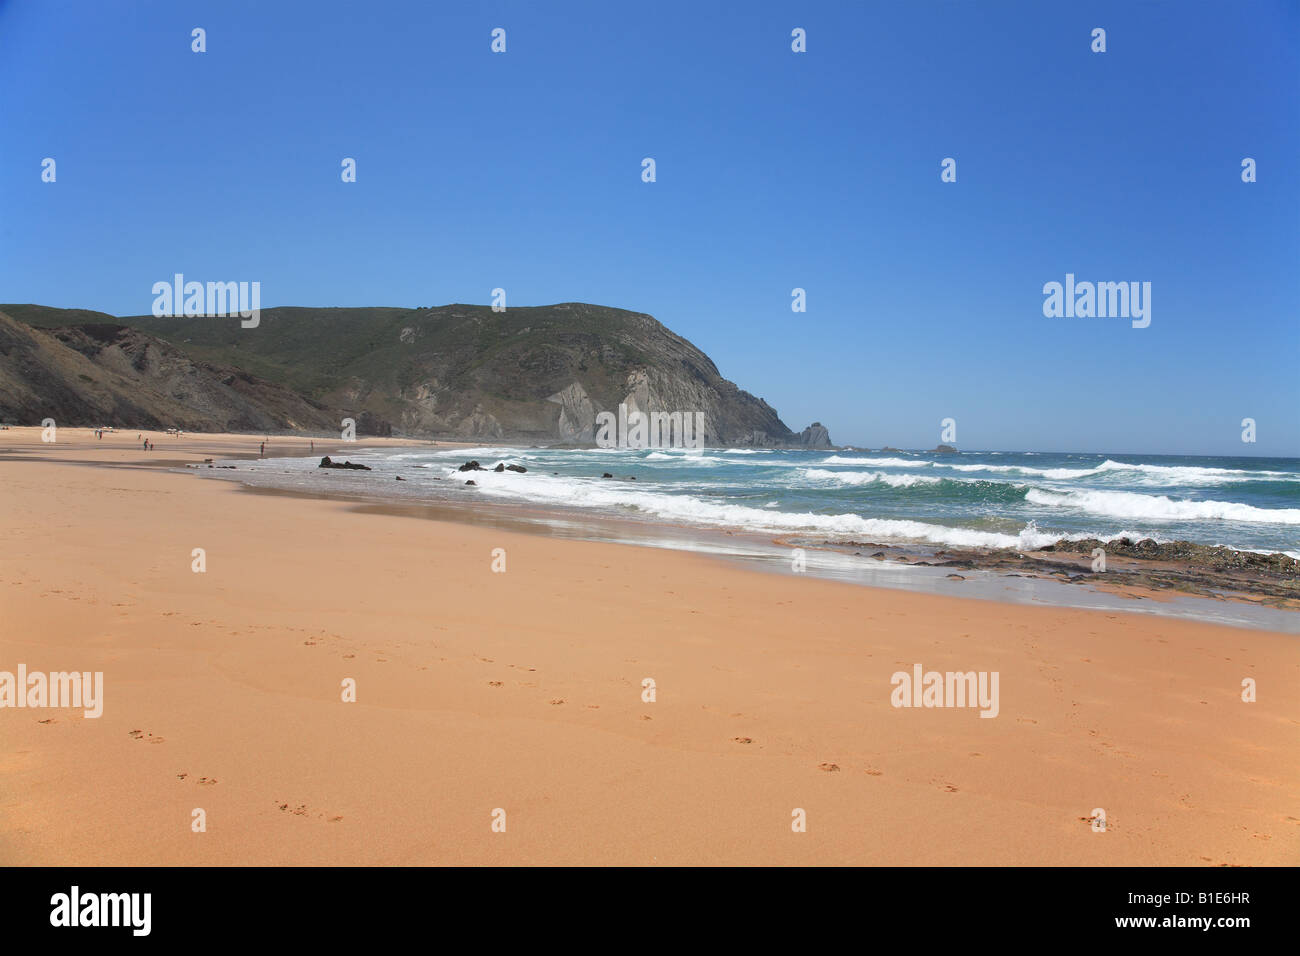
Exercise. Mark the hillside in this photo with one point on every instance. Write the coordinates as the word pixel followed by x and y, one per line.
pixel 110 374
pixel 537 374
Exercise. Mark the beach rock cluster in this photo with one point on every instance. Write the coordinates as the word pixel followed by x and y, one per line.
pixel 475 466
pixel 1215 557
pixel 327 463
pixel 1219 572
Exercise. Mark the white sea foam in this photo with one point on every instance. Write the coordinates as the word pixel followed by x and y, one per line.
pixel 609 495
pixel 1191 474
pixel 853 478
pixel 1056 474
pixel 1130 504
pixel 1289 554
pixel 468 453
pixel 1113 491
pixel 876 462
pixel 1170 475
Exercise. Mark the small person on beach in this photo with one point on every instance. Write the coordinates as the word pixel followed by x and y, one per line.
pixel 263 451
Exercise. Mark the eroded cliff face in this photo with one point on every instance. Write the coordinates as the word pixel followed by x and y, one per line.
pixel 577 420
pixel 541 374
pixel 103 373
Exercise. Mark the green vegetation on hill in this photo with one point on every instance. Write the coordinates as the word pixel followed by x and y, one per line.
pixel 459 369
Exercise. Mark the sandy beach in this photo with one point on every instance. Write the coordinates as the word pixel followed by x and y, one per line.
pixel 522 691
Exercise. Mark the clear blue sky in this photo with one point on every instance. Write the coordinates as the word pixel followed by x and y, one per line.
pixel 775 170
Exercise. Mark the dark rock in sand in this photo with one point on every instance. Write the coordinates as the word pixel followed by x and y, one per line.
pixel 471 466
pixel 326 463
pixel 400 478
pixel 1216 558
pixel 519 468
pixel 607 475
pixel 499 467
pixel 472 483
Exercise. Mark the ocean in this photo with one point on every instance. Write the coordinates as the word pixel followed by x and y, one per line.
pixel 994 499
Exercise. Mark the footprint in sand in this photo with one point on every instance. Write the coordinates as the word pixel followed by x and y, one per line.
pixel 494 683
pixel 829 767
pixel 141 735
pixel 558 700
pixel 743 740
pixel 949 788
pixel 646 717
pixel 874 772
pixel 302 810
pixel 48 720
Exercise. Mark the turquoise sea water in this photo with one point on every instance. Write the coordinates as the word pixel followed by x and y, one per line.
pixel 977 499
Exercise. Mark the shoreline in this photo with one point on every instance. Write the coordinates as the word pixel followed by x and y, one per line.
pixel 907 571
pixel 523 691
pixel 1159 579
pixel 1175 578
